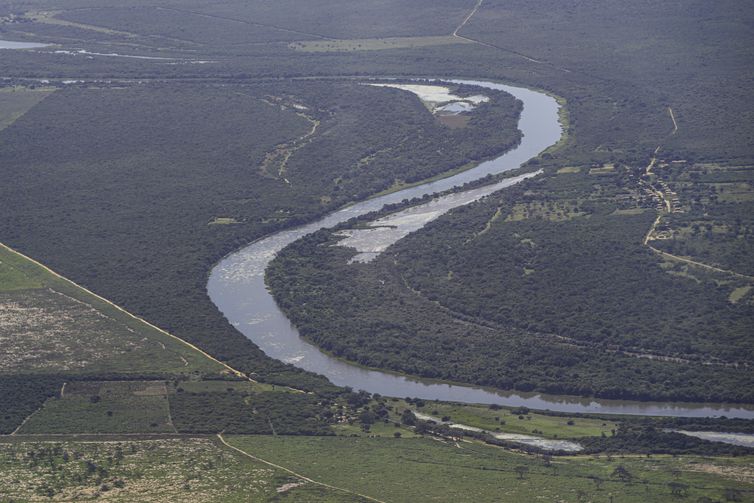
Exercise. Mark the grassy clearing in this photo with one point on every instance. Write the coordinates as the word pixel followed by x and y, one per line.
pixel 49 17
pixel 509 421
pixel 554 211
pixel 378 429
pixel 224 386
pixel 629 211
pixel 408 470
pixel 171 470
pixel 224 221
pixel 13 279
pixel 48 324
pixel 105 407
pixel 16 101
pixel 604 170
pixel 568 170
pixel 739 293
pixel 374 44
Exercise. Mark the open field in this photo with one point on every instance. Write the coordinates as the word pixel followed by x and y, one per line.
pixel 105 407
pixel 373 44
pixel 150 471
pixel 49 325
pixel 15 101
pixel 220 24
pixel 410 470
pixel 513 421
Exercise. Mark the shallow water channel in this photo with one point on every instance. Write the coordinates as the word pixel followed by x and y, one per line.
pixel 236 285
pixel 9 44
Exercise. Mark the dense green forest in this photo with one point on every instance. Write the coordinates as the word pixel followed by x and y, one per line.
pixel 266 413
pixel 149 139
pixel 616 102
pixel 544 286
pixel 139 208
pixel 22 395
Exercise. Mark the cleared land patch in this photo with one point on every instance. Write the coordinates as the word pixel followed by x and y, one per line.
pixel 15 101
pixel 519 421
pixel 49 325
pixel 409 470
pixel 124 470
pixel 374 44
pixel 105 407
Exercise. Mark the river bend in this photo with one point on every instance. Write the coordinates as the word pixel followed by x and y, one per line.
pixel 236 285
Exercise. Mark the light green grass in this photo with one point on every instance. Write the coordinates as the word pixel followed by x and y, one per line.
pixel 378 429
pixel 554 211
pixel 13 279
pixel 224 221
pixel 107 407
pixel 68 330
pixel 410 470
pixel 508 422
pixel 630 211
pixel 224 386
pixel 16 101
pixel 739 293
pixel 373 44
pixel 604 170
pixel 146 471
pixel 569 170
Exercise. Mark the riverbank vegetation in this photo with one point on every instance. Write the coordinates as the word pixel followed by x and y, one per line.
pixel 137 174
pixel 576 304
pixel 450 471
pixel 109 198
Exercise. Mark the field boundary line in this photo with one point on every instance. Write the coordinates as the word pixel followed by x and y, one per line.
pixel 236 372
pixel 675 124
pixel 15 432
pixel 467 18
pixel 248 23
pixel 302 477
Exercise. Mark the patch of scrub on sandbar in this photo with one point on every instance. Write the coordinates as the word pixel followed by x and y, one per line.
pixel 437 98
pixel 381 233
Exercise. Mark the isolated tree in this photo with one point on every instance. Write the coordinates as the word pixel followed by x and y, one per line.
pixel 408 418
pixel 677 488
pixel 547 459
pixel 521 471
pixel 731 494
pixel 622 474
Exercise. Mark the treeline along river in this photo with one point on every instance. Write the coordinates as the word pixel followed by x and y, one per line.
pixel 236 285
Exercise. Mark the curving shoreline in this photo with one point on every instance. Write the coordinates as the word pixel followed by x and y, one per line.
pixel 236 285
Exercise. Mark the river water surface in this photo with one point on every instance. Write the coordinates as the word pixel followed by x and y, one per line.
pixel 9 44
pixel 236 285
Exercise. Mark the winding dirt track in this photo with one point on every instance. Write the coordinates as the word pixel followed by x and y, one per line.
pixel 467 18
pixel 302 477
pixel 667 205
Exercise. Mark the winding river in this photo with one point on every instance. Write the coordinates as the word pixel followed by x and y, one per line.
pixel 236 285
